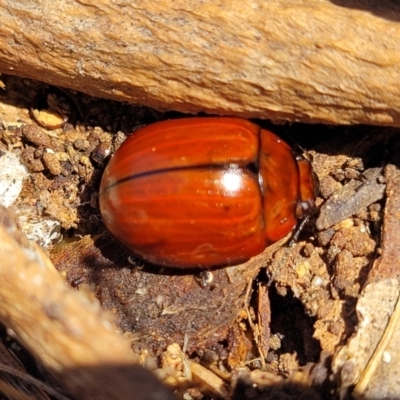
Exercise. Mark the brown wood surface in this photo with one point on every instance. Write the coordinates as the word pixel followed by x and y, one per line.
pixel 307 60
pixel 65 329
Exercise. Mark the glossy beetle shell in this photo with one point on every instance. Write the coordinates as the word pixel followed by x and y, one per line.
pixel 203 192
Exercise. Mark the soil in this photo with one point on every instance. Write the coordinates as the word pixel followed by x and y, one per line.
pixel 270 327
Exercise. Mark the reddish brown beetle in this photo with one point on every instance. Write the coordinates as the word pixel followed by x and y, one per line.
pixel 203 192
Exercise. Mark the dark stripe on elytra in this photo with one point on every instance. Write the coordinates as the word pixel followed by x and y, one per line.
pixel 252 168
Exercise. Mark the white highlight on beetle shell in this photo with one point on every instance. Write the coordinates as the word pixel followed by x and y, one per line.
pixel 231 181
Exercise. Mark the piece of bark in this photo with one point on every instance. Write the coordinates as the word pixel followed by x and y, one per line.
pixel 388 265
pixel 64 329
pixel 300 60
pixel 264 320
pixel 370 361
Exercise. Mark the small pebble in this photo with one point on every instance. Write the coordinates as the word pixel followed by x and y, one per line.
pixel 34 134
pixel 52 163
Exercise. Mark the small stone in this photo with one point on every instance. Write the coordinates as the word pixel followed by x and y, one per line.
pixel 52 163
pixel 34 134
